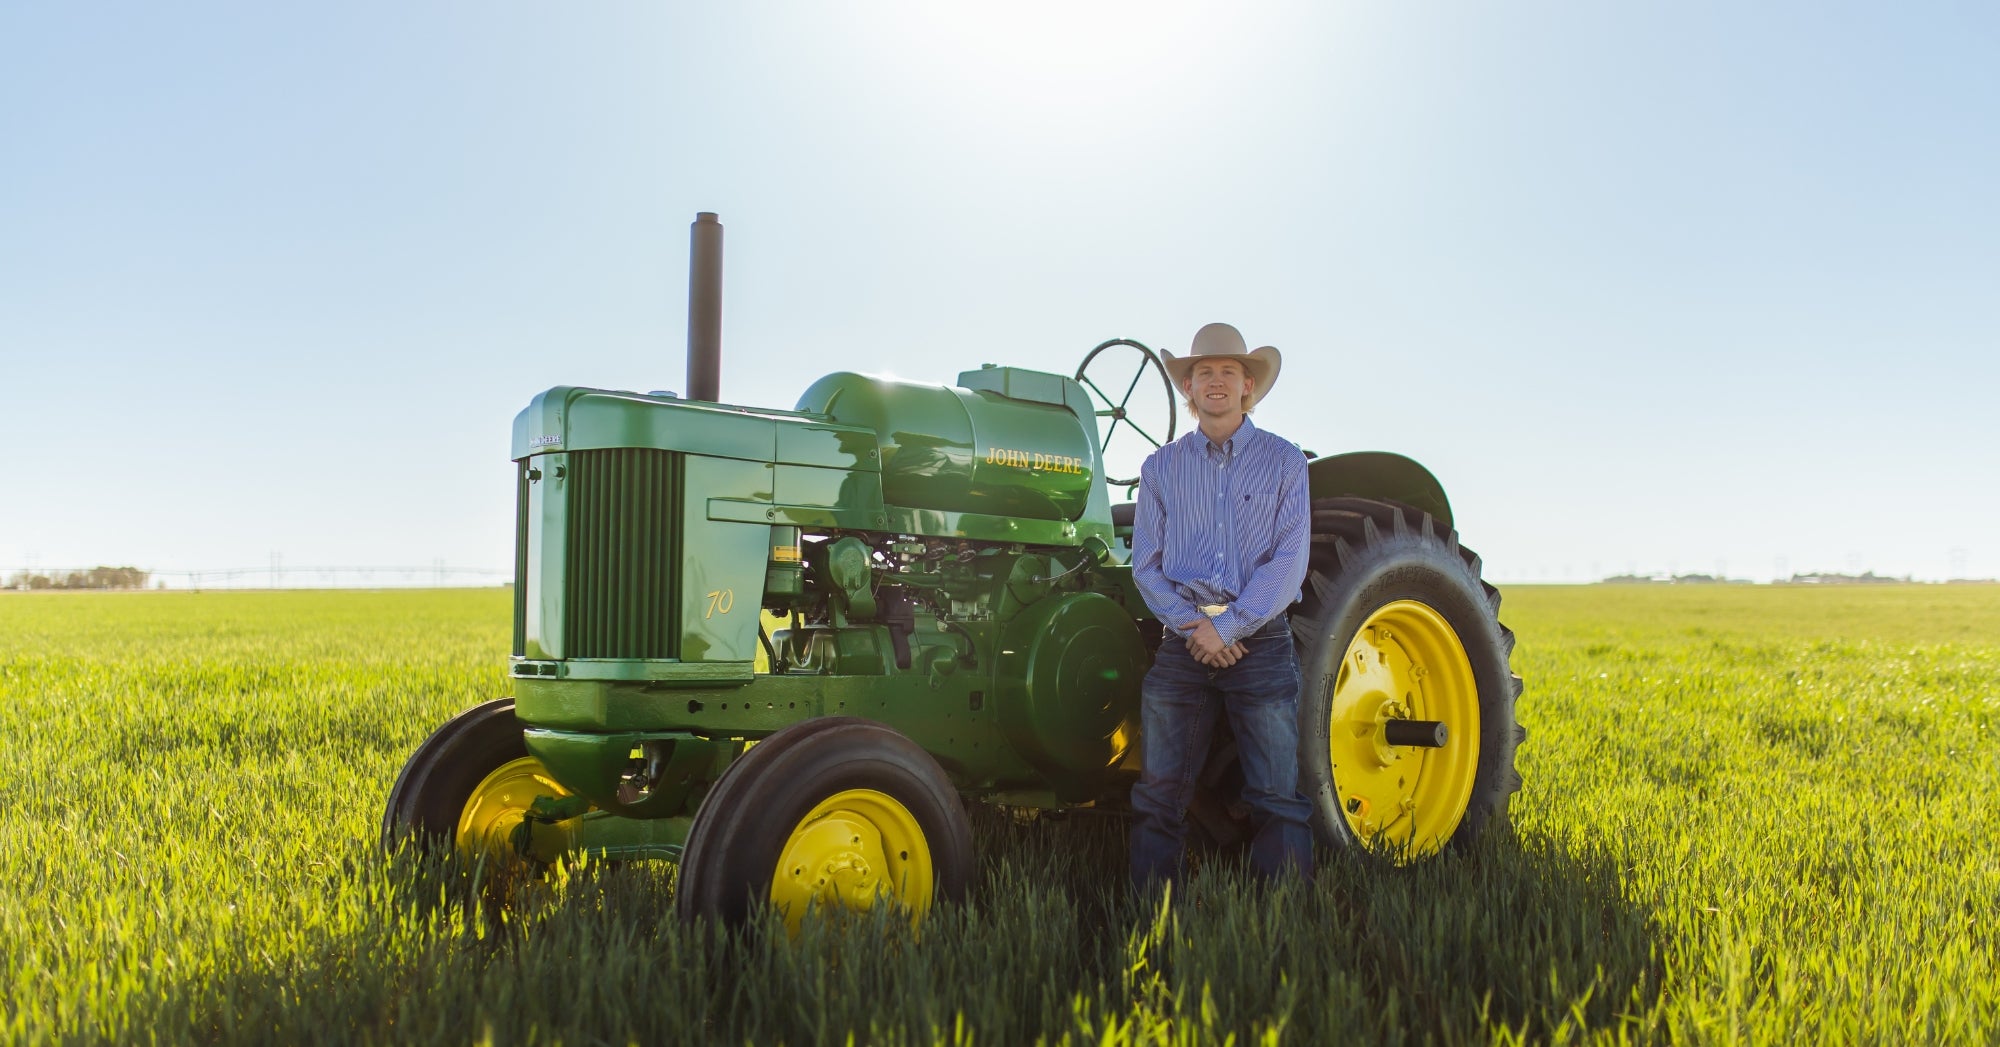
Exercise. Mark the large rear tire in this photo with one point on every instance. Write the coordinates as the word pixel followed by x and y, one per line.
pixel 836 812
pixel 1395 624
pixel 470 786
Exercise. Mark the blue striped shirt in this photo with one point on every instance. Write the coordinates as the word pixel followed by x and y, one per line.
pixel 1222 525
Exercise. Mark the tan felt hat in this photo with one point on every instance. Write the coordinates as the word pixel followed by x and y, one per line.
pixel 1226 342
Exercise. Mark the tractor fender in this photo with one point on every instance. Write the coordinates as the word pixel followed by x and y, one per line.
pixel 1380 475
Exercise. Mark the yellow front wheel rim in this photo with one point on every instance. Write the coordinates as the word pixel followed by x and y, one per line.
pixel 1405 663
pixel 500 803
pixel 852 848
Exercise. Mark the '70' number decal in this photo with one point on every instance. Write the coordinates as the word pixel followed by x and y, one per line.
pixel 719 602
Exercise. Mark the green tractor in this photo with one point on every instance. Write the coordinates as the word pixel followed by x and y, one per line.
pixel 783 648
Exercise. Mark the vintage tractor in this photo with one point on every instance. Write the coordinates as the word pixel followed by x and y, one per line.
pixel 783 648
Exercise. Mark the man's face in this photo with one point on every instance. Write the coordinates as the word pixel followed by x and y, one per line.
pixel 1218 388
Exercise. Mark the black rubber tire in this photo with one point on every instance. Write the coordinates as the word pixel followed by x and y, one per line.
pixel 745 820
pixel 431 792
pixel 1366 554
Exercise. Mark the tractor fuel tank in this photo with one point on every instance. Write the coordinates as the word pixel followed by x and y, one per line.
pixel 1016 446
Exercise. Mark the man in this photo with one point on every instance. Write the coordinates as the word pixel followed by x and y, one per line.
pixel 1219 546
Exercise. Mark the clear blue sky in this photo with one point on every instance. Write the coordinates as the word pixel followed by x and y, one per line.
pixel 1649 286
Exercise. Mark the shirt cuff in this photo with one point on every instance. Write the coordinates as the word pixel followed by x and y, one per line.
pixel 1231 627
pixel 1181 620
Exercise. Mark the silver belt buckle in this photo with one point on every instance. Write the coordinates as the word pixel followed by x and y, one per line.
pixel 1213 609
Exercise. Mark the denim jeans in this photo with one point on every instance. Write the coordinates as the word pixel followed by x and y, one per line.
pixel 1177 709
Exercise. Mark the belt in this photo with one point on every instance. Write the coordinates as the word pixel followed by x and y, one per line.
pixel 1212 609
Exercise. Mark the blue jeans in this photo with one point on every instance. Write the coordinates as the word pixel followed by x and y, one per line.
pixel 1177 708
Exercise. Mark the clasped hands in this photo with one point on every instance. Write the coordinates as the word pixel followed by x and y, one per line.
pixel 1207 647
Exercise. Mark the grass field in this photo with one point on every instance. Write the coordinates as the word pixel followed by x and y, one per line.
pixel 1751 815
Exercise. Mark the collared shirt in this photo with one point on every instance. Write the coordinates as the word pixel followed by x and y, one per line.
pixel 1226 524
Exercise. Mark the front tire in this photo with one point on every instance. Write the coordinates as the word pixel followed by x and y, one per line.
pixel 836 812
pixel 469 787
pixel 1396 625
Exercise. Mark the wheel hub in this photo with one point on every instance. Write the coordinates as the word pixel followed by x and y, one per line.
pixel 1382 753
pixel 1405 664
pixel 837 861
pixel 494 815
pixel 851 849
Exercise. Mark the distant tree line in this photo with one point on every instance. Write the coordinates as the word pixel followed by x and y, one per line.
pixel 95 578
pixel 1816 578
pixel 1831 578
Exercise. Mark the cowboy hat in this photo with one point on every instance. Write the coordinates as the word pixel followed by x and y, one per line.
pixel 1221 341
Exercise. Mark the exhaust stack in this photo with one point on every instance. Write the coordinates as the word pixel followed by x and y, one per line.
pixel 704 346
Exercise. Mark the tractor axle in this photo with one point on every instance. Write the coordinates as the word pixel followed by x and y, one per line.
pixel 1422 734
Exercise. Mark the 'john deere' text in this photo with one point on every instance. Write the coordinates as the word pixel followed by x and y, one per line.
pixel 1048 463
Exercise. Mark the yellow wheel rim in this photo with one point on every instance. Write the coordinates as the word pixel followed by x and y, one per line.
pixel 1406 663
pixel 498 806
pixel 850 849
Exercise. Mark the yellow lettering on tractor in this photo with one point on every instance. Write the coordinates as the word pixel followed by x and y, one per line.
pixel 719 602
pixel 1035 461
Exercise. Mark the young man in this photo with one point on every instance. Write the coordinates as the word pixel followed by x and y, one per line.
pixel 1219 544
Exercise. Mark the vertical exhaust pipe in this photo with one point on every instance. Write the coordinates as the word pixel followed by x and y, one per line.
pixel 704 350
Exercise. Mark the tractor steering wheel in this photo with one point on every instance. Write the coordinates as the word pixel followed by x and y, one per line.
pixel 1113 357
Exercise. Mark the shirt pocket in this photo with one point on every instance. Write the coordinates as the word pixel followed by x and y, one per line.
pixel 1257 524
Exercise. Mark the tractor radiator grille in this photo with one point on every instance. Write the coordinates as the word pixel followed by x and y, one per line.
pixel 623 558
pixel 521 559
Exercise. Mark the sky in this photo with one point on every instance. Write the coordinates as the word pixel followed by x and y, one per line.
pixel 1650 287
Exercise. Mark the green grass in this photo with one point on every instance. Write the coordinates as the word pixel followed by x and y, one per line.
pixel 1757 815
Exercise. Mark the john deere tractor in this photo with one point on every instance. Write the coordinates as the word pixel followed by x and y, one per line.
pixel 785 648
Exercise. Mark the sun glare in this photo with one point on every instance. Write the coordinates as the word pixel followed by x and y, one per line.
pixel 1057 63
